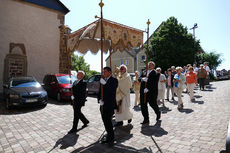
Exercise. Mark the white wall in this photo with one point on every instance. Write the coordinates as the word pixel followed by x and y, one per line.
pixel 37 29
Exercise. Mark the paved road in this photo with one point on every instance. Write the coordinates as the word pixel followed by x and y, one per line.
pixel 200 127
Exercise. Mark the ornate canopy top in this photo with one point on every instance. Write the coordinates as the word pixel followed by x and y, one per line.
pixel 116 37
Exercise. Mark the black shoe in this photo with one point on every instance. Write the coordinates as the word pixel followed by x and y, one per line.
pixel 85 124
pixel 173 99
pixel 167 99
pixel 107 140
pixel 119 124
pixel 145 122
pixel 129 121
pixel 72 131
pixel 110 141
pixel 158 116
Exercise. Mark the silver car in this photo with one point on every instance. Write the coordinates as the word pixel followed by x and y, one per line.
pixel 93 84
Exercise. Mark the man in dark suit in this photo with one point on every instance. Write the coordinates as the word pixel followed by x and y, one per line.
pixel 151 91
pixel 108 102
pixel 79 94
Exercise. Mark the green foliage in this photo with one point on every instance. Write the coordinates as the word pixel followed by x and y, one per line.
pixel 212 58
pixel 172 45
pixel 78 63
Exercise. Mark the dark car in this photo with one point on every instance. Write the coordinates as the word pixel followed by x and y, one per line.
pixel 93 84
pixel 24 91
pixel 58 86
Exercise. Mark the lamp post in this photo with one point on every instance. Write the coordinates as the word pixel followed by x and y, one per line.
pixel 193 28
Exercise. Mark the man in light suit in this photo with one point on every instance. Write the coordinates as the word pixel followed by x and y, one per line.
pixel 79 94
pixel 108 102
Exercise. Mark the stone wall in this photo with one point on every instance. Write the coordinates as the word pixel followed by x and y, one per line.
pixel 37 28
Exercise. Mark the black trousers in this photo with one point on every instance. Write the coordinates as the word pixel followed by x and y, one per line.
pixel 78 115
pixel 144 108
pixel 107 120
pixel 201 81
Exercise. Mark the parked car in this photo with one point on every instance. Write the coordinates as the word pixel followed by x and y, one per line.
pixel 58 86
pixel 132 75
pixel 23 91
pixel 93 84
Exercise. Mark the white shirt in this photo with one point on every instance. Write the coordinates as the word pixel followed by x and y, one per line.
pixel 207 69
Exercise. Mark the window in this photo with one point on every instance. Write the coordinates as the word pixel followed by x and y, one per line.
pixel 121 61
pixel 143 57
pixel 126 62
pixel 97 78
pixel 91 79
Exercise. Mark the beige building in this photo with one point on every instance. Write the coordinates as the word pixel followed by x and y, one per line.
pixel 32 42
pixel 134 60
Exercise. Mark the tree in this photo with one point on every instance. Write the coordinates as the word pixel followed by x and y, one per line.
pixel 78 63
pixel 172 45
pixel 213 59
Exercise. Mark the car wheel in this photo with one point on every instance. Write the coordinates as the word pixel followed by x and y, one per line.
pixel 44 105
pixel 8 106
pixel 58 97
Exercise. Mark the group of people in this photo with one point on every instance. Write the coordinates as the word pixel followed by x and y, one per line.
pixel 149 88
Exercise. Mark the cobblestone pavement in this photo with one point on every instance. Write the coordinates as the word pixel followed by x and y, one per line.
pixel 200 127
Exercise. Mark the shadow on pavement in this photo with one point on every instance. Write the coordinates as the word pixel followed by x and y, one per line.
pixel 197 96
pixel 164 110
pixel 155 130
pixel 198 102
pixel 159 149
pixel 55 102
pixel 115 148
pixel 186 110
pixel 210 86
pixel 137 108
pixel 210 90
pixel 122 134
pixel 19 109
pixel 67 141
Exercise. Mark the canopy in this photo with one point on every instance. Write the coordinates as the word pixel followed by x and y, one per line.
pixel 117 37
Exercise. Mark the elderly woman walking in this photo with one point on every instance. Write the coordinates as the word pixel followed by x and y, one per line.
pixel 123 97
pixel 179 82
pixel 202 75
pixel 191 82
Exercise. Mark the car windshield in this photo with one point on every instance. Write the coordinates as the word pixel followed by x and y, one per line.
pixel 24 82
pixel 66 79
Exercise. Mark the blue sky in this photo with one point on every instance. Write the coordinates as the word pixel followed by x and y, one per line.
pixel 212 17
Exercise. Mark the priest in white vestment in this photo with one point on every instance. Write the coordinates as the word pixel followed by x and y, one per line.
pixel 123 97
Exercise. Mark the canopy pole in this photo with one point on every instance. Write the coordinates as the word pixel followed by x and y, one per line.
pixel 101 4
pixel 146 69
pixel 110 62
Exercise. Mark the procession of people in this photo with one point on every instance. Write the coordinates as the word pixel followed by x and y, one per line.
pixel 149 89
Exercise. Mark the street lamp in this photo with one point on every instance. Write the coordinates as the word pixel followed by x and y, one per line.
pixel 193 28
